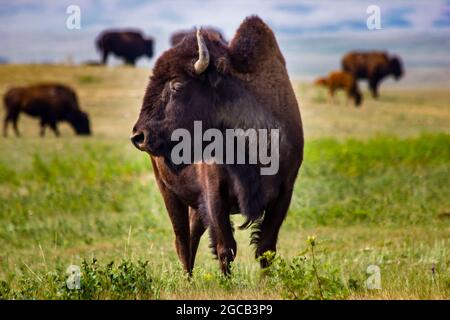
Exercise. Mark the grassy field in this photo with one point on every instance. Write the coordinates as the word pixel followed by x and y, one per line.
pixel 374 190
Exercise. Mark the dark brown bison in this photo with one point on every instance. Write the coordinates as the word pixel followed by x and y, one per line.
pixel 49 102
pixel 243 84
pixel 178 36
pixel 373 66
pixel 127 44
pixel 338 80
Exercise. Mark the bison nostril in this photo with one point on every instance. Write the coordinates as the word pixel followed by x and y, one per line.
pixel 138 140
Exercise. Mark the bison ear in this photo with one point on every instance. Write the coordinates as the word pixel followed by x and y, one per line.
pixel 253 43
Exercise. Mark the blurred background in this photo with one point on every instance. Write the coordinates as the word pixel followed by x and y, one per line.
pixel 312 34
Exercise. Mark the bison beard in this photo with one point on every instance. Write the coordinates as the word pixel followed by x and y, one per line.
pixel 243 84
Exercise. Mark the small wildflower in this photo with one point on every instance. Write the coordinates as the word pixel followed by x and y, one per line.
pixel 207 276
pixel 311 240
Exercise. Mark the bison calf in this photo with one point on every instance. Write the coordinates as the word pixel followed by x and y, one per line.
pixel 49 102
pixel 342 81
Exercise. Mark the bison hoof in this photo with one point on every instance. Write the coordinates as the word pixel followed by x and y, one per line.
pixel 225 258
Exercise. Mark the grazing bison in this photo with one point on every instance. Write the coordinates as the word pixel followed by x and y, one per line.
pixel 178 36
pixel 128 44
pixel 373 66
pixel 49 102
pixel 243 84
pixel 338 80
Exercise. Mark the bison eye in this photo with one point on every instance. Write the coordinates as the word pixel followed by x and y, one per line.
pixel 175 86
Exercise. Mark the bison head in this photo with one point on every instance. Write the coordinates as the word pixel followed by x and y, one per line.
pixel 203 79
pixel 396 67
pixel 321 82
pixel 13 97
pixel 80 122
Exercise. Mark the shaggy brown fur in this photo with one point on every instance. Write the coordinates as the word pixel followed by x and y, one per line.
pixel 126 44
pixel 373 66
pixel 245 85
pixel 49 102
pixel 178 36
pixel 338 80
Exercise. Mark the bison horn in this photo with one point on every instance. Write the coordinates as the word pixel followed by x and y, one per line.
pixel 203 55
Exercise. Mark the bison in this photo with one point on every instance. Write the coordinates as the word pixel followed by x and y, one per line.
pixel 127 44
pixel 243 84
pixel 49 102
pixel 373 66
pixel 178 36
pixel 338 80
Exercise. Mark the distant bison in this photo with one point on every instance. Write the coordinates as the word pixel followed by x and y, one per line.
pixel 128 44
pixel 373 66
pixel 49 102
pixel 338 80
pixel 178 36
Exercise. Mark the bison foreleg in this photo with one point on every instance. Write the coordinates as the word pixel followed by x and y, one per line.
pixel 331 97
pixel 197 228
pixel 222 238
pixel 373 85
pixel 105 56
pixel 179 216
pixel 15 119
pixel 54 128
pixel 266 238
pixel 42 131
pixel 5 126
pixel 11 117
pixel 217 211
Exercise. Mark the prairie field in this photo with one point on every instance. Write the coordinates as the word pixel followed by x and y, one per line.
pixel 374 189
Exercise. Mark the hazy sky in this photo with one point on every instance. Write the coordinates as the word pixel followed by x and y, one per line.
pixel 312 34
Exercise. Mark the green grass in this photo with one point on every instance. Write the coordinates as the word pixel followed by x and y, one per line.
pixel 373 189
pixel 385 180
pixel 83 198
